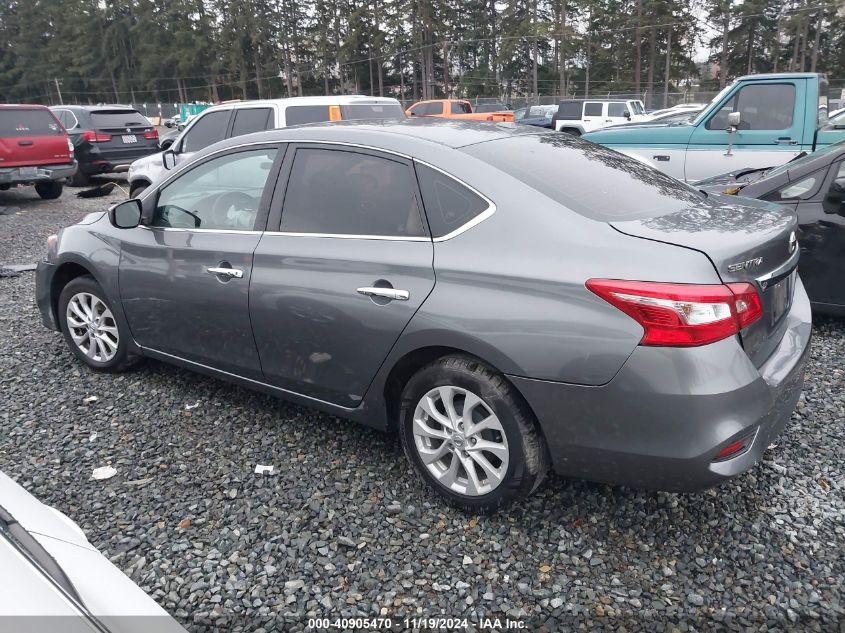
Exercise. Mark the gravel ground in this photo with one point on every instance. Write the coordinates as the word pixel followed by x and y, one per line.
pixel 343 528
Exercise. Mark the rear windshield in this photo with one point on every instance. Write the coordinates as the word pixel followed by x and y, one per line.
pixel 373 111
pixel 117 118
pixel 25 122
pixel 570 109
pixel 300 115
pixel 594 181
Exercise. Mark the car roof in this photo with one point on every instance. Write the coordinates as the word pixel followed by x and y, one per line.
pixel 22 106
pixel 596 100
pixel 95 108
pixel 304 101
pixel 403 136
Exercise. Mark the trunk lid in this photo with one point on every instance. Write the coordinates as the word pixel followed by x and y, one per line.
pixel 30 137
pixel 127 129
pixel 747 241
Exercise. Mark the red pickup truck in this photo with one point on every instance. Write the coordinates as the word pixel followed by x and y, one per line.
pixel 34 150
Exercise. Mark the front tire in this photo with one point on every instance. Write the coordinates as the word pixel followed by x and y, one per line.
pixel 469 435
pixel 90 329
pixel 48 190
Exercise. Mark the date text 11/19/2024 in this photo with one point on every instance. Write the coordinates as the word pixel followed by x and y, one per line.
pixel 418 624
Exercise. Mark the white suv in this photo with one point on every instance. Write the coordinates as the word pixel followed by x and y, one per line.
pixel 579 116
pixel 243 117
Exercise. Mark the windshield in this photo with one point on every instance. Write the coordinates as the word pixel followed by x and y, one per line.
pixel 834 147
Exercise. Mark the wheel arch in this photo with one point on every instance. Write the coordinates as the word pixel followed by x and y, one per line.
pixel 66 272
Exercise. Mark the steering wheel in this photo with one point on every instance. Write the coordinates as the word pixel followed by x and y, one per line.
pixel 238 199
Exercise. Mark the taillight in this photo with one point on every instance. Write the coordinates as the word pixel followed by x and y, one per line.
pixel 95 137
pixel 682 315
pixel 70 147
pixel 334 113
pixel 151 134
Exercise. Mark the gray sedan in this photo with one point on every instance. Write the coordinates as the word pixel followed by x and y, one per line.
pixel 507 299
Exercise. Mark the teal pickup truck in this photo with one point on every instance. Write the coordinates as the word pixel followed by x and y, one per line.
pixel 757 121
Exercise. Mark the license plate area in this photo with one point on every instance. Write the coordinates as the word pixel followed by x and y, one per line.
pixel 780 296
pixel 129 138
pixel 28 172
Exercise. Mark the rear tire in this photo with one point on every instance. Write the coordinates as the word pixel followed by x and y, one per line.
pixel 90 329
pixel 571 131
pixel 479 464
pixel 49 190
pixel 80 179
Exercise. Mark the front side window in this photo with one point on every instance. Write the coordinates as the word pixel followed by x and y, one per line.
pixel 761 107
pixel 248 120
pixel 207 129
pixel 223 193
pixel 617 109
pixel 432 108
pixel 338 192
pixel 592 109
pixel 448 203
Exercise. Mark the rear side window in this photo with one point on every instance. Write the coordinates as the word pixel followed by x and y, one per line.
pixel 300 115
pixel 117 118
pixel 569 110
pixel 589 179
pixel 208 129
pixel 248 120
pixel 459 107
pixel 761 107
pixel 448 203
pixel 616 109
pixel 26 122
pixel 348 193
pixel 593 109
pixel 359 111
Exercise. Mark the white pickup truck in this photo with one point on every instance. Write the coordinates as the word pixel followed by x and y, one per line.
pixel 579 116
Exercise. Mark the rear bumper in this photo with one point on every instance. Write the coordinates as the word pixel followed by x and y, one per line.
pixel 93 160
pixel 662 419
pixel 44 173
pixel 43 281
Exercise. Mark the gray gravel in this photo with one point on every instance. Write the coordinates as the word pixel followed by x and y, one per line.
pixel 343 528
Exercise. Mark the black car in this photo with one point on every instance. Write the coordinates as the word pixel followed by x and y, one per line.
pixel 106 138
pixel 814 185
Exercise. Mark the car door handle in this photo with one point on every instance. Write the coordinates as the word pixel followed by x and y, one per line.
pixel 234 273
pixel 25 143
pixel 785 140
pixel 386 293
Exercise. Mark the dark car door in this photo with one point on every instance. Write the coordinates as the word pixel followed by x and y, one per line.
pixel 821 234
pixel 335 285
pixel 184 278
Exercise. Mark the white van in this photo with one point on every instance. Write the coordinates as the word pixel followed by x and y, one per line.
pixel 579 116
pixel 236 118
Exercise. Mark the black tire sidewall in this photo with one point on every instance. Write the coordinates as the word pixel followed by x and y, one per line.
pixel 477 382
pixel 137 190
pixel 89 285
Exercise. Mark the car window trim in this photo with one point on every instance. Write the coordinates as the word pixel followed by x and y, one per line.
pixel 151 195
pixel 70 112
pixel 277 204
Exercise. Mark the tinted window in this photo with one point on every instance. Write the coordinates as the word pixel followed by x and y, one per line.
pixel 250 120
pixel 299 115
pixel 347 193
pixel 373 111
pixel 448 203
pixel 593 109
pixel 597 182
pixel 761 107
pixel 570 110
pixel 28 123
pixel 223 193
pixel 117 118
pixel 207 129
pixel 800 189
pixel 616 109
pixel 459 107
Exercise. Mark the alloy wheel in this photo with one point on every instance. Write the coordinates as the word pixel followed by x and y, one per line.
pixel 461 441
pixel 92 327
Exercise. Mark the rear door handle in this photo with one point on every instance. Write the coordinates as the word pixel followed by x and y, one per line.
pixel 233 273
pixel 785 140
pixel 386 293
pixel 25 142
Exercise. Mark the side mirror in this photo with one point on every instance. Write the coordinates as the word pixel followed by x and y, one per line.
pixel 126 215
pixel 734 119
pixel 168 159
pixel 627 115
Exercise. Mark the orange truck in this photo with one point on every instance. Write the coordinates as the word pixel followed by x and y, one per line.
pixel 455 109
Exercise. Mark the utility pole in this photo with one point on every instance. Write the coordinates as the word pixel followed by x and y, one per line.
pixel 446 68
pixel 59 90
